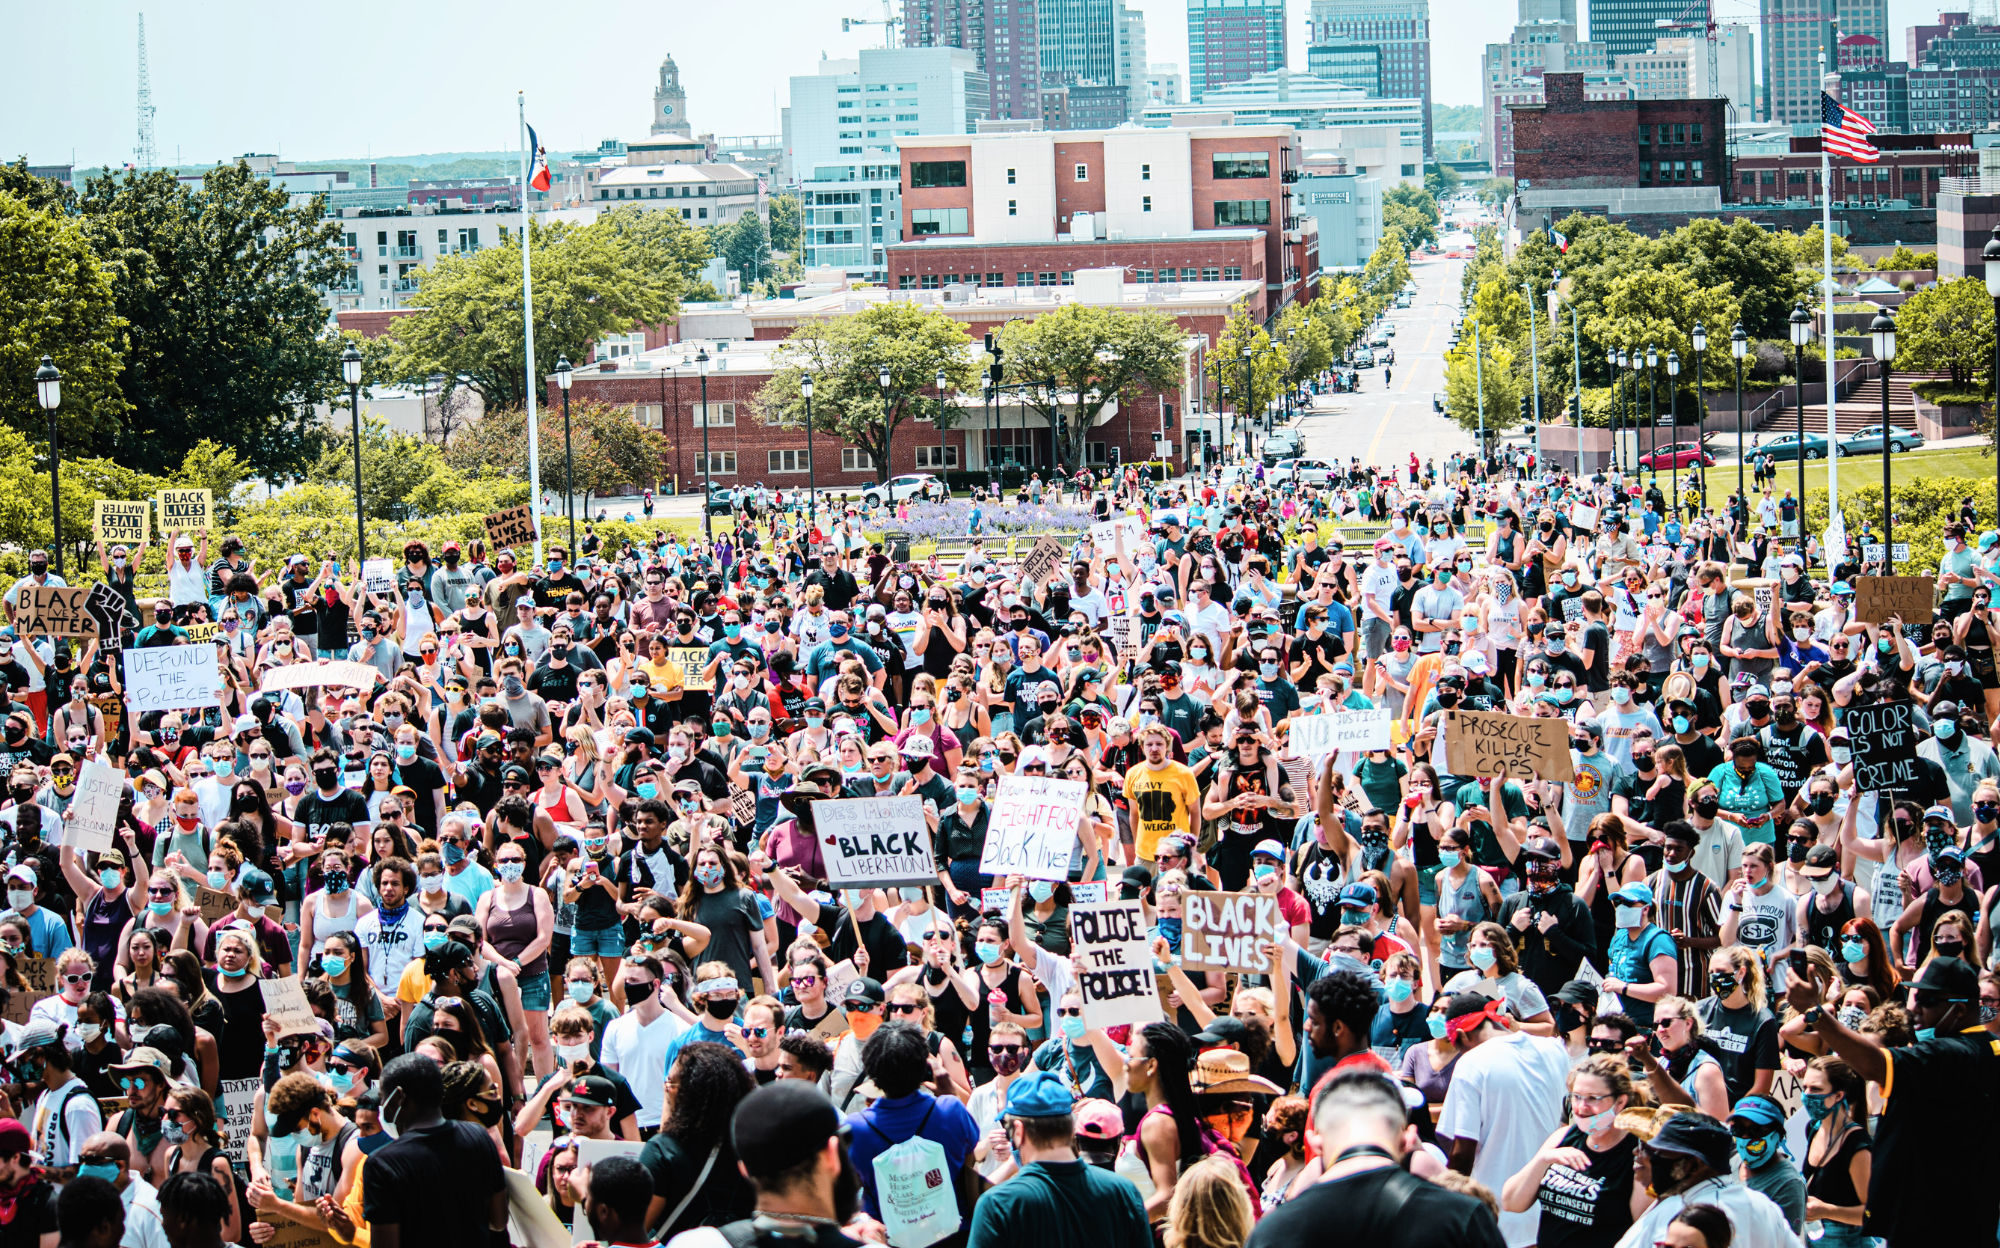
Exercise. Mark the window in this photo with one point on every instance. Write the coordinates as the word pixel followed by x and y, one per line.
pixel 1083 173
pixel 937 457
pixel 647 415
pixel 1145 203
pixel 1013 209
pixel 1242 165
pixel 1093 452
pixel 937 173
pixel 1645 135
pixel 1010 177
pixel 787 461
pixel 1045 279
pixel 725 417
pixel 1694 133
pixel 1145 173
pixel 1696 170
pixel 1242 212
pixel 937 221
pixel 852 460
pixel 1680 132
pixel 1409 171
pixel 995 279
pixel 1645 171
pixel 1024 279
pixel 1232 272
pixel 1142 276
pixel 906 281
pixel 702 213
pixel 720 463
pixel 930 281
pixel 1211 275
pixel 1680 171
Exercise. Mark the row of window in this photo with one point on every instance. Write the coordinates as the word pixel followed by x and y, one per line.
pixel 935 281
pixel 1224 165
pixel 723 463
pixel 1671 171
pixel 1678 132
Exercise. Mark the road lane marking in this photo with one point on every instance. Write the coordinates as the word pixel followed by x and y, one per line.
pixel 1379 431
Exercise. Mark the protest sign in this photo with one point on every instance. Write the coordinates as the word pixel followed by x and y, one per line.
pixel 1104 535
pixel 198 634
pixel 107 607
pixel 874 841
pixel 742 805
pixel 1042 560
pixel 120 524
pixel 995 900
pixel 1884 740
pixel 1032 831
pixel 693 662
pixel 38 974
pixel 285 1003
pixel 334 674
pixel 1572 609
pixel 1326 732
pixel 1091 894
pixel 239 1098
pixel 512 527
pixel 56 610
pixel 290 1234
pixel 1763 595
pixel 214 902
pixel 1488 743
pixel 168 678
pixel 184 511
pixel 94 814
pixel 379 575
pixel 1228 931
pixel 530 1221
pixel 1116 980
pixel 1583 516
pixel 589 1153
pixel 1876 598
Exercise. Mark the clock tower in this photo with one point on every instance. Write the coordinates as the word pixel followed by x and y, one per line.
pixel 670 102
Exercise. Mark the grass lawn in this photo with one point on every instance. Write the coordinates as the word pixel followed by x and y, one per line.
pixel 1860 470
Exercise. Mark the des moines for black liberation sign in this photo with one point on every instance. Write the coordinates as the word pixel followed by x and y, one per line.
pixel 874 840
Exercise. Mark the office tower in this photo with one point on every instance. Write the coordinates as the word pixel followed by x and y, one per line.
pixel 1511 72
pixel 1630 26
pixel 1796 32
pixel 1003 36
pixel 1548 11
pixel 1229 40
pixel 1078 40
pixel 1401 29
pixel 1132 55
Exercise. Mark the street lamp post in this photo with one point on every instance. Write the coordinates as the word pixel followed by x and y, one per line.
pixel 350 372
pixel 1674 419
pixel 1535 374
pixel 1653 412
pixel 1991 254
pixel 1611 366
pixel 1700 340
pixel 812 471
pixel 1630 413
pixel 1802 334
pixel 942 383
pixel 707 466
pixel 1739 344
pixel 1883 329
pixel 48 391
pixel 569 456
pixel 883 380
pixel 1479 388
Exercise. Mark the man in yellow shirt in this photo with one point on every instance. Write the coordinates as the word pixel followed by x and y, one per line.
pixel 1163 793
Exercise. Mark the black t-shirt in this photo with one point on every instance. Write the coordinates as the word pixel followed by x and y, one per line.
pixel 1597 640
pixel 1941 1089
pixel 1383 1208
pixel 887 951
pixel 435 1184
pixel 1320 652
pixel 1748 1039
pixel 555 684
pixel 1588 1208
pixel 320 813
pixel 239 1050
pixel 34 1217
pixel 425 779
pixel 725 1195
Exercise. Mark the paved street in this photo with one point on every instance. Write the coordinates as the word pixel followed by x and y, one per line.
pixel 1384 425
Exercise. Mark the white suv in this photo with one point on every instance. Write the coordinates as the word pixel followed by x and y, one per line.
pixel 909 485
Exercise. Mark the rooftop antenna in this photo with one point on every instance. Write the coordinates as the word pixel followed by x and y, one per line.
pixel 142 155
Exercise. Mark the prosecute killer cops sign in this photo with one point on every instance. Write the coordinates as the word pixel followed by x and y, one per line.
pixel 874 840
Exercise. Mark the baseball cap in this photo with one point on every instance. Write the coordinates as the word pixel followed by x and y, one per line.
pixel 24 872
pixel 863 992
pixel 1942 812
pixel 1268 849
pixel 1098 1119
pixel 1542 848
pixel 1634 895
pixel 1821 861
pixel 775 1128
pixel 1039 1094
pixel 256 885
pixel 1358 894
pixel 245 723
pixel 1953 977
pixel 593 1090
pixel 1222 1030
pixel 515 772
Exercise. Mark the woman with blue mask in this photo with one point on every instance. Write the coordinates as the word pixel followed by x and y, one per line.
pixel 1496 973
pixel 1072 1050
pixel 1006 992
pixel 913 914
pixel 1839 1158
pixel 357 1004
pixel 335 906
pixel 1045 914
pixel 1464 896
pixel 106 905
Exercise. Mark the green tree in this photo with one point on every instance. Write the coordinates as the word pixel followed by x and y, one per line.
pixel 602 278
pixel 1906 259
pixel 747 248
pixel 1442 181
pixel 1492 374
pixel 393 465
pixel 658 239
pixel 844 355
pixel 217 286
pixel 1948 329
pixel 1658 308
pixel 1415 197
pixel 37 191
pixel 1246 366
pixel 1494 191
pixel 1410 222
pixel 1751 260
pixel 56 301
pixel 1093 355
pixel 611 449
pixel 1305 340
pixel 785 223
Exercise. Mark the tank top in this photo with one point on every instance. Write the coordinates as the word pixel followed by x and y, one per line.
pixel 1823 929
pixel 103 919
pixel 511 931
pixel 980 1021
pixel 1464 901
pixel 325 924
pixel 1832 1180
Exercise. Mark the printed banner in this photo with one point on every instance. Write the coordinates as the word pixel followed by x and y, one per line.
pixel 170 678
pixel 121 524
pixel 1116 979
pixel 1032 831
pixel 875 840
pixel 184 511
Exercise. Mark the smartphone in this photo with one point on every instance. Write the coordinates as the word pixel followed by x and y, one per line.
pixel 1801 966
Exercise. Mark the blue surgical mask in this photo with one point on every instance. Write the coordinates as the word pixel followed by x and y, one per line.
pixel 333 965
pixel 106 1170
pixel 1401 990
pixel 986 952
pixel 435 940
pixel 1436 1023
pixel 1681 725
pixel 967 796
pixel 110 877
pixel 342 1080
pixel 1448 858
pixel 581 990
pixel 218 880
pixel 920 715
pixel 1073 1027
pixel 405 753
pixel 1265 870
pixel 1481 957
pixel 1853 950
pixel 647 792
pixel 160 909
pixel 910 894
pixel 453 853
pixel 1926 1033
pixel 224 767
pixel 1041 890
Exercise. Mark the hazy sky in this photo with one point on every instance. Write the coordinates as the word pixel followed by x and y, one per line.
pixel 374 77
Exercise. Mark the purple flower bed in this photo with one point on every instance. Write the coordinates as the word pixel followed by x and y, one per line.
pixel 935 521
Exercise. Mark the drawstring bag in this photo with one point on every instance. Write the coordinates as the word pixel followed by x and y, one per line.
pixel 915 1190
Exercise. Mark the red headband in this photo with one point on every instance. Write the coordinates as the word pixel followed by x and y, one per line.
pixel 1495 1012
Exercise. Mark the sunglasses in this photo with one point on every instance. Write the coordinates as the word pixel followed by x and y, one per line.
pixel 1000 1049
pixel 906 1007
pixel 1070 1011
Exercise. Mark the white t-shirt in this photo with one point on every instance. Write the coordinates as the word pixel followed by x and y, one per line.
pixel 1755 1218
pixel 1507 1094
pixel 1379 584
pixel 142 1215
pixel 59 1144
pixel 639 1053
pixel 985 1106
pixel 392 950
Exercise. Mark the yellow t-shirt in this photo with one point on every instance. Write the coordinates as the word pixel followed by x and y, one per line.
pixel 1163 802
pixel 415 985
pixel 665 676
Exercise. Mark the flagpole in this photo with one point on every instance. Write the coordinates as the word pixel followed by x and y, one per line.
pixel 1826 292
pixel 528 327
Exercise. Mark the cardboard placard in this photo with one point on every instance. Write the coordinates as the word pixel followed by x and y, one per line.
pixel 1042 560
pixel 214 902
pixel 184 511
pixel 512 527
pixel 55 610
pixel 333 673
pixel 200 634
pixel 1228 931
pixel 1583 516
pixel 1032 831
pixel 742 805
pixel 120 524
pixel 291 1234
pixel 93 816
pixel 589 1153
pixel 39 976
pixel 693 662
pixel 1876 598
pixel 1326 732
pixel 107 606
pixel 1104 535
pixel 838 977
pixel 1488 743
pixel 1884 740
pixel 530 1221
pixel 170 678
pixel 285 1003
pixel 875 840
pixel 1116 982
pixel 1572 609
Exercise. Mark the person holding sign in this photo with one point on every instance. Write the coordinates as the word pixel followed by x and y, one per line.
pixel 187 578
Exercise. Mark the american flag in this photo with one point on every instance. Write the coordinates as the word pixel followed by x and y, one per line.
pixel 1845 132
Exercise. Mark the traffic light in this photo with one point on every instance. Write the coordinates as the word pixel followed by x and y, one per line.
pixel 1527 412
pixel 1575 410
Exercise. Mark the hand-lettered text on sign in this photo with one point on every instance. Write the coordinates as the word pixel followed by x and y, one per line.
pixel 874 840
pixel 1032 830
pixel 1909 598
pixel 512 527
pixel 1116 975
pixel 55 610
pixel 1228 931
pixel 1884 740
pixel 1488 743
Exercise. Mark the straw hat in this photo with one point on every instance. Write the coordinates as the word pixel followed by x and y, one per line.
pixel 1226 1071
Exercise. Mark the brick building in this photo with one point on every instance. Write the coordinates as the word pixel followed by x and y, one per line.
pixel 1569 141
pixel 1911 168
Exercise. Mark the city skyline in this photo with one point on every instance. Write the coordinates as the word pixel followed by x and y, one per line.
pixel 226 80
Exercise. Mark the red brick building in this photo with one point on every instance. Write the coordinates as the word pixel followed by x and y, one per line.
pixel 1912 168
pixel 1570 142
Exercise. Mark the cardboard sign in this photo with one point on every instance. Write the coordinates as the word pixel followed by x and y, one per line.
pixel 39 976
pixel 1876 598
pixel 93 816
pixel 107 607
pixel 170 678
pixel 56 610
pixel 742 805
pixel 512 527
pixel 1762 593
pixel 1091 894
pixel 1042 560
pixel 530 1221
pixel 285 1002
pixel 291 1234
pixel 693 662
pixel 239 1098
pixel 334 673
pixel 1583 516
pixel 1104 535
pixel 1341 730
pixel 202 634
pixel 1488 743
pixel 1032 831
pixel 1109 942
pixel 875 840
pixel 1228 931
pixel 379 577
pixel 184 511
pixel 1884 737
pixel 1572 610
pixel 214 902
pixel 120 524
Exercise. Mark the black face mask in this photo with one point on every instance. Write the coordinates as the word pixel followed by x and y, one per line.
pixel 1795 852
pixel 1020 625
pixel 1707 809
pixel 1822 803
pixel 327 776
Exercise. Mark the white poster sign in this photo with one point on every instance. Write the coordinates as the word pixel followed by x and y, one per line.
pixel 1341 730
pixel 1116 975
pixel 1032 831
pixel 93 816
pixel 170 678
pixel 874 840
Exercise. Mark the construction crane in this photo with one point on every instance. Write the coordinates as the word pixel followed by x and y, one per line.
pixel 889 23
pixel 142 155
pixel 1700 15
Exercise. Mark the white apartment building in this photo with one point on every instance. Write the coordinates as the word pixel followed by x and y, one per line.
pixel 386 247
pixel 1661 74
pixel 702 194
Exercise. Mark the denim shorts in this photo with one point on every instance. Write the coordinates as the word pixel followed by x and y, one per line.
pixel 1427 885
pixel 604 942
pixel 535 992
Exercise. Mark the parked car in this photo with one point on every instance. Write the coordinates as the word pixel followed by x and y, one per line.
pixel 1788 447
pixel 1363 358
pixel 1678 455
pixel 1301 472
pixel 1868 440
pixel 1281 446
pixel 721 500
pixel 909 485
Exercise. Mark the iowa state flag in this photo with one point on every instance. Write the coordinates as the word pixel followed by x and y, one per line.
pixel 538 163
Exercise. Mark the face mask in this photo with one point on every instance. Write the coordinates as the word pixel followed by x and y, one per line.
pixel 580 991
pixel 1681 725
pixel 1449 858
pixel 1722 983
pixel 1699 661
pixel 223 767
pixel 20 898
pixel 1481 957
pixel 433 883
pixel 1853 950
pixel 986 952
pixel 405 753
pixel 1621 695
pixel 709 876
pixel 1815 1104
pixel 327 777
pixel 837 631
pixel 1041 890
pixel 294 787
pixel 174 1131
pixel 89 1032
pixel 568 1053
pixel 160 908
pixel 1436 1024
pixel 333 966
pixel 1267 671
pixel 721 1007
pixel 1757 1152
pixel 238 973
pixel 510 871
pixel 336 882
pixel 1197 654
pixel 110 879
pixel 342 1080
pixel 1852 1016
pixel 453 854
pixel 1707 807
pixel 647 792
pixel 1400 990
pixel 1629 916
pixel 435 940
